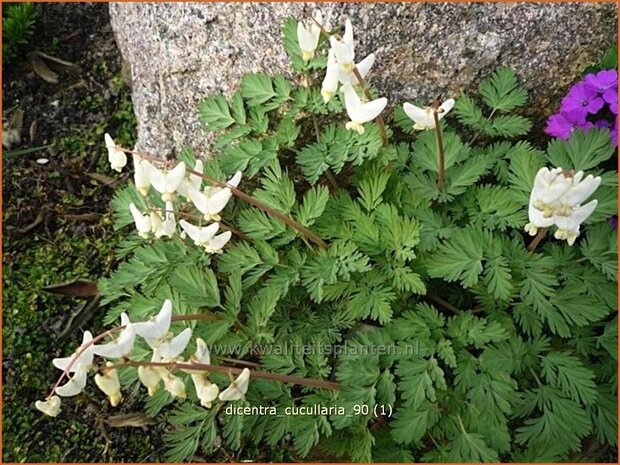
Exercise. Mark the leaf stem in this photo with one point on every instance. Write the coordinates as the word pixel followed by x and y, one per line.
pixel 539 237
pixel 443 303
pixel 440 152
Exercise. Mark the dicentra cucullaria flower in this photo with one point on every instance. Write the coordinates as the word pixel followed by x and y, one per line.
pixel 156 329
pixel 344 48
pixel 121 346
pixel 165 226
pixel 116 156
pixel 237 388
pixel 50 406
pixel 79 367
pixel 556 199
pixel 140 175
pixel 423 118
pixel 110 385
pixel 192 180
pixel 166 182
pixel 212 200
pixel 360 112
pixel 142 222
pixel 206 391
pixel 341 64
pixel 205 236
pixel 331 80
pixel 308 33
pixel 167 349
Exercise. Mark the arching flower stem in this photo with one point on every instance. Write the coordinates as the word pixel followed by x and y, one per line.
pixel 246 198
pixel 299 380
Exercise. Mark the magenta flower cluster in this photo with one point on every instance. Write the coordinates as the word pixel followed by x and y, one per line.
pixel 591 103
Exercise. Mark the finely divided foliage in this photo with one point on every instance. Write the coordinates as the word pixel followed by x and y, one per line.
pixel 396 255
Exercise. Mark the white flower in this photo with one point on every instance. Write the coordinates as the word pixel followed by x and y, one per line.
pixel 168 226
pixel 537 220
pixel 218 242
pixel 171 349
pixel 75 385
pixel 142 222
pixel 363 67
pixel 50 406
pixel 423 117
pixel 210 203
pixel 174 385
pixel 206 391
pixel 116 156
pixel 79 368
pixel 308 33
pixel 84 361
pixel 205 236
pixel 580 189
pixel 214 199
pixel 191 181
pixel 556 199
pixel 200 235
pixel 344 49
pixel 568 226
pixel 157 328
pixel 359 112
pixel 549 187
pixel 140 174
pixel 166 182
pixel 110 385
pixel 123 345
pixel 150 378
pixel 330 82
pixel 237 388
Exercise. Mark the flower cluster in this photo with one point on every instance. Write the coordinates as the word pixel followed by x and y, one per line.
pixel 174 185
pixel 590 103
pixel 557 198
pixel 342 71
pixel 342 75
pixel 167 349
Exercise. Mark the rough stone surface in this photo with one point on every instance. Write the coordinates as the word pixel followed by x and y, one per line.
pixel 180 52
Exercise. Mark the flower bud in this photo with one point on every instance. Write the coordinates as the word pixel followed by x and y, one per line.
pixel 50 406
pixel 149 377
pixel 110 385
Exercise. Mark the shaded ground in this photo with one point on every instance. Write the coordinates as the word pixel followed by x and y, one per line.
pixel 56 227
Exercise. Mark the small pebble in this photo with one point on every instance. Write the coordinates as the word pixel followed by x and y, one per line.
pixel 42 161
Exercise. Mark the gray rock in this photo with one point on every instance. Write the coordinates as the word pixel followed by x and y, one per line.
pixel 179 53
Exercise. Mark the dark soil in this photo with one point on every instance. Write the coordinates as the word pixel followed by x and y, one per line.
pixel 56 226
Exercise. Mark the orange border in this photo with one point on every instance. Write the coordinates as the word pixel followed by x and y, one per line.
pixel 617 2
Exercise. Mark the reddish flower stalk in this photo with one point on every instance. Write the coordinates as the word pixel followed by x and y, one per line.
pixel 300 380
pixel 440 152
pixel 247 198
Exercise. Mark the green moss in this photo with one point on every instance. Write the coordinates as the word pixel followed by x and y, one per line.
pixel 32 319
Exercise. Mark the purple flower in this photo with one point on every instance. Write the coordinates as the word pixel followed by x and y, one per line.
pixel 603 80
pixel 564 123
pixel 613 221
pixel 611 97
pixel 614 134
pixel 602 124
pixel 582 99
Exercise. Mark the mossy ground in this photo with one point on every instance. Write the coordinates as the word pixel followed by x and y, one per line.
pixel 57 227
